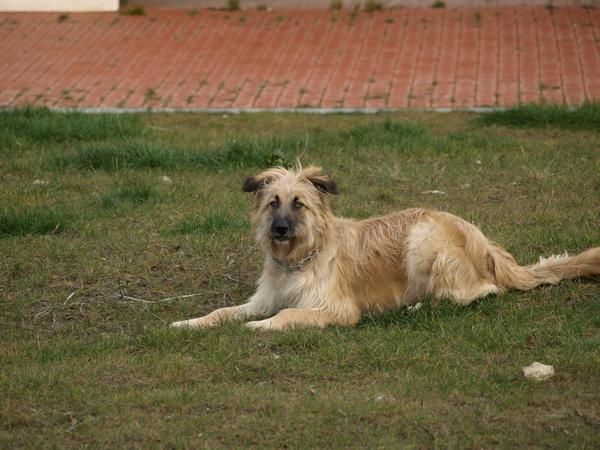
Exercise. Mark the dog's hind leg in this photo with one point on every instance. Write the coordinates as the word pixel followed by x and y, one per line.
pixel 454 275
pixel 449 258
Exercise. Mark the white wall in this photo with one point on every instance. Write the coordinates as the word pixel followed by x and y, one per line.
pixel 59 5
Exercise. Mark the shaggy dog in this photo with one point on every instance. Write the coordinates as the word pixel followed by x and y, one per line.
pixel 323 270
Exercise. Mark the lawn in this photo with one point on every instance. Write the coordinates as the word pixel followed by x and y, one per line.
pixel 113 226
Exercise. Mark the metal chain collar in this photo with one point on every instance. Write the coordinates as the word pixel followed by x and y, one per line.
pixel 300 265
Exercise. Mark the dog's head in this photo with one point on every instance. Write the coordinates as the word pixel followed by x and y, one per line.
pixel 292 210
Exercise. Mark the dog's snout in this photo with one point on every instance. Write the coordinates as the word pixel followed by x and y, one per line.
pixel 281 227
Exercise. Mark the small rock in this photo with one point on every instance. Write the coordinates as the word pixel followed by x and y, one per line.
pixel 40 183
pixel 165 179
pixel 538 371
pixel 415 307
pixel 434 192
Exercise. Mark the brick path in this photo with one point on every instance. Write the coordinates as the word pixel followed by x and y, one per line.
pixel 421 57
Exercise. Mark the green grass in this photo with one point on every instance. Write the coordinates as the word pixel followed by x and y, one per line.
pixel 21 221
pixel 132 191
pixel 43 126
pixel 97 262
pixel 586 117
pixel 210 224
pixel 145 154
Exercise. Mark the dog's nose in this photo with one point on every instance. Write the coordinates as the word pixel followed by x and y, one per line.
pixel 280 226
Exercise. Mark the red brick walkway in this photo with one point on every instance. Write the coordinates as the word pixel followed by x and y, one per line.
pixel 423 58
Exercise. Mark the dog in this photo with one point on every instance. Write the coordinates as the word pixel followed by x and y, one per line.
pixel 322 270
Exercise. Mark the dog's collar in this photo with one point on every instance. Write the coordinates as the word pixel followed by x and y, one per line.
pixel 299 266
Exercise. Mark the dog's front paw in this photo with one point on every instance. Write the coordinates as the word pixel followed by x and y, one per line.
pixel 180 324
pixel 266 324
pixel 191 323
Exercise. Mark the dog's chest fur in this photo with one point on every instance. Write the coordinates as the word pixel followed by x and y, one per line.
pixel 372 281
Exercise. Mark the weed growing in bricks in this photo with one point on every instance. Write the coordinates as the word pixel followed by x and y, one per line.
pixel 336 5
pixel 63 18
pixel 373 5
pixel 134 11
pixel 233 5
pixel 150 96
pixel 438 4
pixel 354 13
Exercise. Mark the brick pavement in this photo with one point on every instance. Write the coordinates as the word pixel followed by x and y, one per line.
pixel 401 58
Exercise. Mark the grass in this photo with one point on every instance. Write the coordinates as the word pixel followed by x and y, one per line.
pixel 131 191
pixel 587 117
pixel 99 260
pixel 43 126
pixel 211 224
pixel 22 221
pixel 141 153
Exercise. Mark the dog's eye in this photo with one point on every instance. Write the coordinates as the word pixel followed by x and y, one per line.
pixel 275 203
pixel 298 204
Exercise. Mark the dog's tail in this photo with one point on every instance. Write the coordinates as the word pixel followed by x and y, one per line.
pixel 509 275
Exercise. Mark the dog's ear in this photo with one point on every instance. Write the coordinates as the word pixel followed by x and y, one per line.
pixel 256 183
pixel 253 184
pixel 324 184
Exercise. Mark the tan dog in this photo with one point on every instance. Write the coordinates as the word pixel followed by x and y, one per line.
pixel 322 270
